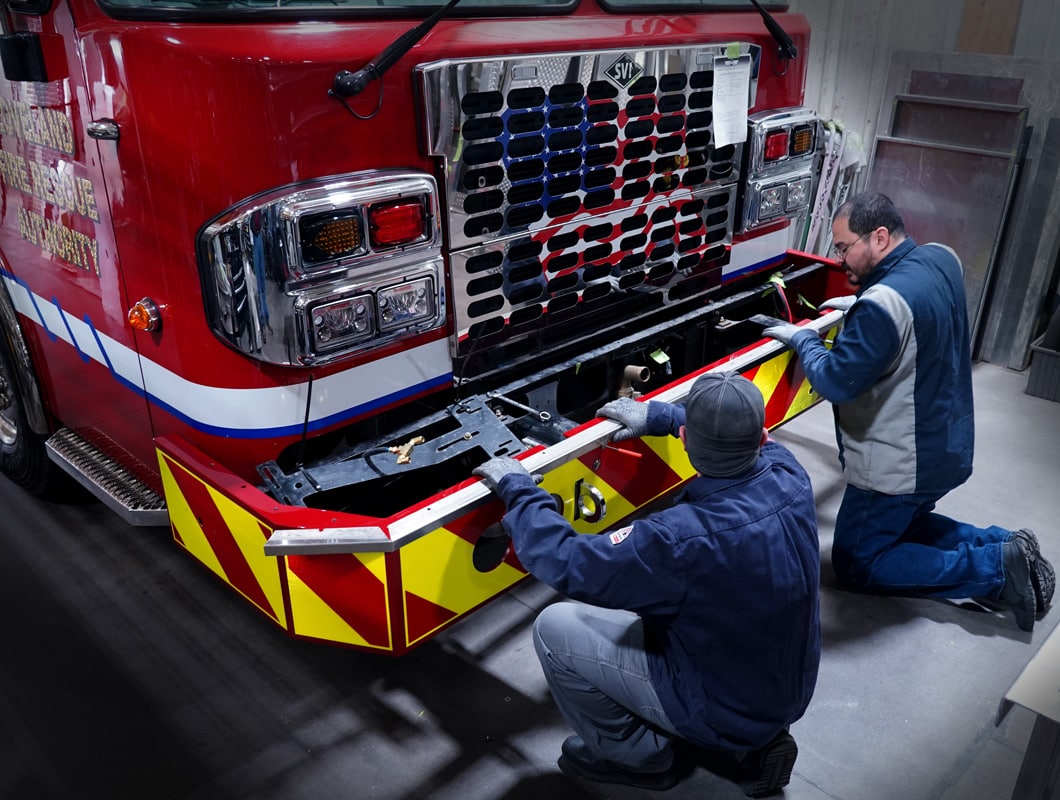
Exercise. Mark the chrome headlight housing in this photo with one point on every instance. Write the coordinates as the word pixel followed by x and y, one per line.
pixel 312 273
pixel 781 149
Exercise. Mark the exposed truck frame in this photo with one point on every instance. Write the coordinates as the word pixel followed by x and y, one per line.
pixel 281 276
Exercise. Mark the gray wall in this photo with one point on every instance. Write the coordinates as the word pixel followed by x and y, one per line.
pixel 851 42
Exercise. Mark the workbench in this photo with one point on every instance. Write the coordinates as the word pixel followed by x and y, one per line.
pixel 1038 689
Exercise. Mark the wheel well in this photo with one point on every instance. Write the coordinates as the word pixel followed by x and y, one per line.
pixel 25 376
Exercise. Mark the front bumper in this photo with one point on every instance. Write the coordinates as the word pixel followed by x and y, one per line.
pixel 387 585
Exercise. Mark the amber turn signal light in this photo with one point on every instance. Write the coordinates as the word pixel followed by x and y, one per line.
pixel 144 316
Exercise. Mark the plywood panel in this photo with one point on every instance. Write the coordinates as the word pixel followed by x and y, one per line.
pixel 930 184
pixel 988 26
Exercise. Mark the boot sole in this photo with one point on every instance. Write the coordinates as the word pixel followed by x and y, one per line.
pixel 775 772
pixel 1043 576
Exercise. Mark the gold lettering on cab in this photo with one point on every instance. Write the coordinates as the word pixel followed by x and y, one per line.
pixel 54 237
pixel 60 187
pixel 13 171
pixel 43 126
pixel 54 184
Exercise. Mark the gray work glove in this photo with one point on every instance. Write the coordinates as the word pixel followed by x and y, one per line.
pixel 839 303
pixel 782 333
pixel 633 415
pixel 494 470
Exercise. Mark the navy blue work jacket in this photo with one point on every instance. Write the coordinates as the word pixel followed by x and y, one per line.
pixel 726 582
pixel 900 375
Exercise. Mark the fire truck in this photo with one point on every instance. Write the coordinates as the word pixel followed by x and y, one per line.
pixel 279 275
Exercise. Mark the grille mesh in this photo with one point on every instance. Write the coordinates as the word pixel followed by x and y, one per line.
pixel 579 183
pixel 535 158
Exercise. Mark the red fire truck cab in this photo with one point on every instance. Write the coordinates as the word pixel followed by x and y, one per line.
pixel 280 275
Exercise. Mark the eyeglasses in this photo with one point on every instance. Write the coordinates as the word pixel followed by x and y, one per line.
pixel 841 250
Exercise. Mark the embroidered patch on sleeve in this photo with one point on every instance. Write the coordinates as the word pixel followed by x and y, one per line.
pixel 619 536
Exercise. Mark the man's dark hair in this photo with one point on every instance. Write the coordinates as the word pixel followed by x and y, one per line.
pixel 868 211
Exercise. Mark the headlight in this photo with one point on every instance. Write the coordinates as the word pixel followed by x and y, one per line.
pixel 340 323
pixel 314 272
pixel 406 304
pixel 772 202
pixel 798 194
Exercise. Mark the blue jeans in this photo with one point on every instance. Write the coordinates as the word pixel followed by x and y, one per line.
pixel 896 544
pixel 597 669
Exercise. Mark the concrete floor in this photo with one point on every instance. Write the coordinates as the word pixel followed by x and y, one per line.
pixel 129 672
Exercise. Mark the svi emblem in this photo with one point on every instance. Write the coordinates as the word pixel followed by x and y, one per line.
pixel 624 71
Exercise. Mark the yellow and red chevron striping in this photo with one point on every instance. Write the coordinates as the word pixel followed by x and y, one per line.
pixel 354 596
pixel 392 601
pixel 615 465
pixel 224 536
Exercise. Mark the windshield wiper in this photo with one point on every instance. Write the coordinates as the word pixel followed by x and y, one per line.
pixel 786 48
pixel 351 84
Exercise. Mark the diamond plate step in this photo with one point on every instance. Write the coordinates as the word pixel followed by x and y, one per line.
pixel 115 486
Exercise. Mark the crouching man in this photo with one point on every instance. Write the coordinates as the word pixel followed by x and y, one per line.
pixel 700 621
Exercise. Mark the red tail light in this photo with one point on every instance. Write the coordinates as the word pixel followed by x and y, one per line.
pixel 396 224
pixel 776 146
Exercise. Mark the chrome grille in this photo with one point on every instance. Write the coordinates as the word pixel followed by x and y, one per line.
pixel 580 182
pixel 514 284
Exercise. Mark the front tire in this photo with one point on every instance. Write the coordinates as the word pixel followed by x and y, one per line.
pixel 23 456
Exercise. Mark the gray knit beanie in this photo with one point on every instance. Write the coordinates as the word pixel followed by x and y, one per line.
pixel 724 418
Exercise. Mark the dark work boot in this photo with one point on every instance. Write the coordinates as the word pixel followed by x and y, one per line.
pixel 767 770
pixel 578 760
pixel 1043 576
pixel 1018 594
